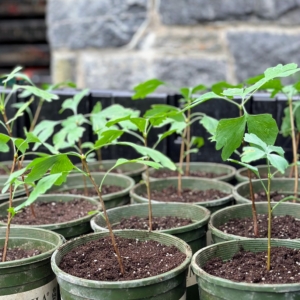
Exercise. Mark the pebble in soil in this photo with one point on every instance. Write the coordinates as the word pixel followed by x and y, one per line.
pixel 96 260
pixel 170 173
pixel 158 223
pixel 18 253
pixel 106 189
pixel 283 227
pixel 170 194
pixel 53 212
pixel 250 267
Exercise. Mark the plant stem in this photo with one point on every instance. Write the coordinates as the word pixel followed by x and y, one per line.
pixel 254 213
pixel 269 219
pixel 9 217
pixel 294 144
pixel 36 115
pixel 188 157
pixel 112 236
pixel 148 189
pixel 84 179
pixel 99 155
pixel 181 162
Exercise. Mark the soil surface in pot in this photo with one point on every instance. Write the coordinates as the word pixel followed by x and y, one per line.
pixel 250 267
pixel 283 227
pixel 170 194
pixel 158 223
pixel 170 173
pixel 265 175
pixel 18 253
pixel 275 196
pixel 96 260
pixel 106 189
pixel 53 212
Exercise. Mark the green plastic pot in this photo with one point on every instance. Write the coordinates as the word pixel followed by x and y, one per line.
pixel 29 278
pixel 281 185
pixel 19 192
pixel 226 172
pixel 187 182
pixel 213 287
pixel 244 211
pixel 193 234
pixel 133 170
pixel 68 229
pixel 241 174
pixel 110 200
pixel 170 285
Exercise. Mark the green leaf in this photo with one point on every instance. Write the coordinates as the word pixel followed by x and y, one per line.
pixel 42 186
pixel 197 88
pixel 12 177
pixel 144 89
pixel 72 103
pixel 286 123
pixel 276 149
pixel 3 143
pixel 21 145
pixel 197 141
pixel 108 137
pixel 159 110
pixel 251 154
pixel 255 140
pixel 203 98
pixel 264 126
pixel 229 135
pixel 210 124
pixel 251 168
pixel 20 111
pixel 153 154
pixel 165 134
pixel 97 108
pixel 117 120
pixel 32 90
pixel 278 162
pixel 220 86
pixel 140 123
pixel 12 74
pixel 122 161
pixel 231 92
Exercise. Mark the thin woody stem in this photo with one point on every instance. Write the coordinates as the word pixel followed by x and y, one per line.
pixel 112 236
pixel 84 179
pixel 188 157
pixel 181 162
pixel 254 213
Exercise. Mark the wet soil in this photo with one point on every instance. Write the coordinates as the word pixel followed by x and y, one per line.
pixel 170 194
pixel 158 223
pixel 53 212
pixel 96 260
pixel 106 189
pixel 250 267
pixel 283 227
pixel 18 253
pixel 170 173
pixel 275 196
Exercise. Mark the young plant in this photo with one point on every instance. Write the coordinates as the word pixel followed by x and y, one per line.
pixel 274 157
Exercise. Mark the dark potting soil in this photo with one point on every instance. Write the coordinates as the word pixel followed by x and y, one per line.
pixel 158 223
pixel 170 194
pixel 283 227
pixel 106 189
pixel 275 196
pixel 18 253
pixel 170 173
pixel 53 212
pixel 96 260
pixel 265 175
pixel 250 267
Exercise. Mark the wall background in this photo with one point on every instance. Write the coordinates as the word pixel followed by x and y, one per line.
pixel 115 44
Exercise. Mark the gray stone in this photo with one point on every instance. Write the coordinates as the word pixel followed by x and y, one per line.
pixel 90 23
pixel 254 52
pixel 190 12
pixel 63 67
pixel 182 71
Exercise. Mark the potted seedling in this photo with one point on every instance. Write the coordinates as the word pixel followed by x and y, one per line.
pixel 209 282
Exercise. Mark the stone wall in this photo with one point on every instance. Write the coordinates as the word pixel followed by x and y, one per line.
pixel 115 44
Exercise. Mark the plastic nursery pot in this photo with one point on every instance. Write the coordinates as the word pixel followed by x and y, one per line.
pixel 244 211
pixel 187 182
pixel 29 278
pixel 133 170
pixel 68 229
pixel 19 192
pixel 193 234
pixel 241 174
pixel 75 181
pixel 213 287
pixel 169 285
pixel 223 172
pixel 281 185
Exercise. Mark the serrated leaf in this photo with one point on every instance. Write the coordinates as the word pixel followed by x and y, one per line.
pixel 145 88
pixel 210 124
pixel 251 154
pixel 263 126
pixel 278 162
pixel 32 90
pixel 255 140
pixel 41 188
pixel 229 135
